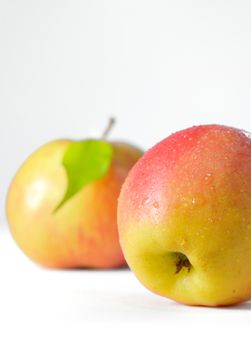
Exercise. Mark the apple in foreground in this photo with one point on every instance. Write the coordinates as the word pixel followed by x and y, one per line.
pixel 62 203
pixel 184 216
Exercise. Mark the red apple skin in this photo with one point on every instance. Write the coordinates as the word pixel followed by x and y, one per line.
pixel 191 194
pixel 83 232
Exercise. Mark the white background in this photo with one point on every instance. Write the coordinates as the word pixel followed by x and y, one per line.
pixel 159 66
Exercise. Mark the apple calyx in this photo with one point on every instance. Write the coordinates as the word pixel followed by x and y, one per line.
pixel 85 162
pixel 181 261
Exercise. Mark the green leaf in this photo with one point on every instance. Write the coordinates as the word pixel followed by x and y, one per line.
pixel 85 162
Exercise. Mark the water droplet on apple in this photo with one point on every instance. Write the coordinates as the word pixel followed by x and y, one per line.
pixel 208 175
pixel 183 242
pixel 146 200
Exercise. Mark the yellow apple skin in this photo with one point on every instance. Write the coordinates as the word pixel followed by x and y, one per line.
pixel 83 232
pixel 189 199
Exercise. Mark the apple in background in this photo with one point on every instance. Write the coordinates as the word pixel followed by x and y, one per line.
pixel 62 203
pixel 184 216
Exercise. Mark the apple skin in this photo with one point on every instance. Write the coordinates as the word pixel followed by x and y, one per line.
pixel 83 232
pixel 190 197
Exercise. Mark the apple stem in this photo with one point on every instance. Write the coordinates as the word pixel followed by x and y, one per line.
pixel 108 128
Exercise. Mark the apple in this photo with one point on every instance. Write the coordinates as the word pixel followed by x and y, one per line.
pixel 62 203
pixel 184 216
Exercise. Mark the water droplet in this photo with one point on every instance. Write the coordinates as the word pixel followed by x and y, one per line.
pixel 208 175
pixel 146 200
pixel 156 205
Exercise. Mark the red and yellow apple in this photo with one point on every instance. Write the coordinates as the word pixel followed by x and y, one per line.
pixel 82 232
pixel 184 216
